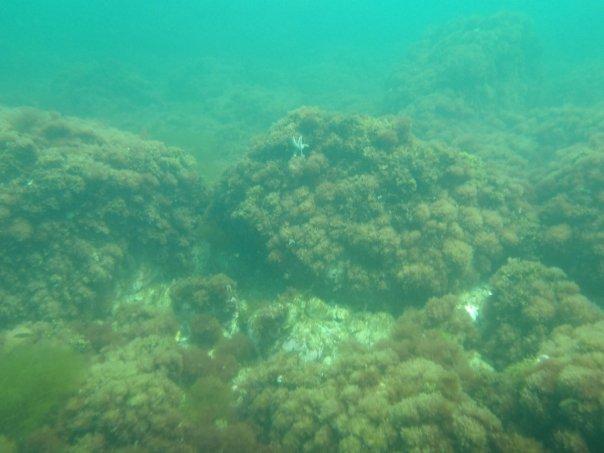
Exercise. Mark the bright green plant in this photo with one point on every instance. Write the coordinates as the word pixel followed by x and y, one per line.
pixel 35 380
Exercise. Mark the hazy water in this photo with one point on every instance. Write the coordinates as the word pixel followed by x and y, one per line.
pixel 209 76
pixel 202 73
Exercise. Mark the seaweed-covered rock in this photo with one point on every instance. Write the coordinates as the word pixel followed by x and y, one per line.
pixel 267 323
pixel 529 300
pixel 127 407
pixel 556 133
pixel 150 354
pixel 571 194
pixel 361 209
pixel 214 296
pixel 474 83
pixel 470 63
pixel 81 208
pixel 455 315
pixel 129 398
pixel 560 396
pixel 378 399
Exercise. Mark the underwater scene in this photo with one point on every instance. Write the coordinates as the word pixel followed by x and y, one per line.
pixel 301 226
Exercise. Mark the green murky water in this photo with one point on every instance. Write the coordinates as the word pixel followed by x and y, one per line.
pixel 301 226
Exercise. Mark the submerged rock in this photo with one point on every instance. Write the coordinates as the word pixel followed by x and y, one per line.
pixel 369 214
pixel 314 329
pixel 82 209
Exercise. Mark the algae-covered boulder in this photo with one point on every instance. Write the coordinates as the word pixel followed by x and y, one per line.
pixel 529 300
pixel 469 82
pixel 392 397
pixel 472 63
pixel 81 208
pixel 480 83
pixel 570 191
pixel 130 397
pixel 214 296
pixel 560 396
pixel 361 209
pixel 156 392
pixel 126 407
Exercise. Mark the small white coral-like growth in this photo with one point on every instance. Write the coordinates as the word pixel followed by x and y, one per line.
pixel 299 144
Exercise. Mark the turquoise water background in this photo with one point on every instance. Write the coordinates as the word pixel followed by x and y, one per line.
pixel 311 225
pixel 206 75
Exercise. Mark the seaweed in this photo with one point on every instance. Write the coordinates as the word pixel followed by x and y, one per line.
pixel 35 382
pixel 369 215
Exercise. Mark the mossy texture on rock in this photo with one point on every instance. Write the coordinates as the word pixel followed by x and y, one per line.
pixel 479 83
pixel 81 206
pixel 148 391
pixel 571 194
pixel 560 397
pixel 529 300
pixel 314 330
pixel 213 296
pixel 388 398
pixel 129 398
pixel 367 212
pixel 481 62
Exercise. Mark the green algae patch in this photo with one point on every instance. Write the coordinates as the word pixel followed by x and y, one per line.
pixel 35 381
pixel 209 400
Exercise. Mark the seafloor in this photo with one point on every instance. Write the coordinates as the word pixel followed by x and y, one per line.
pixel 428 278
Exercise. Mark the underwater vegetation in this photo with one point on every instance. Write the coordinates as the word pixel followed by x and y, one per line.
pixel 559 398
pixel 473 63
pixel 214 295
pixel 82 207
pixel 429 384
pixel 479 84
pixel 469 82
pixel 126 401
pixel 529 300
pixel 366 211
pixel 353 283
pixel 570 191
pixel 355 209
pixel 157 393
pixel 403 394
pixel 35 381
